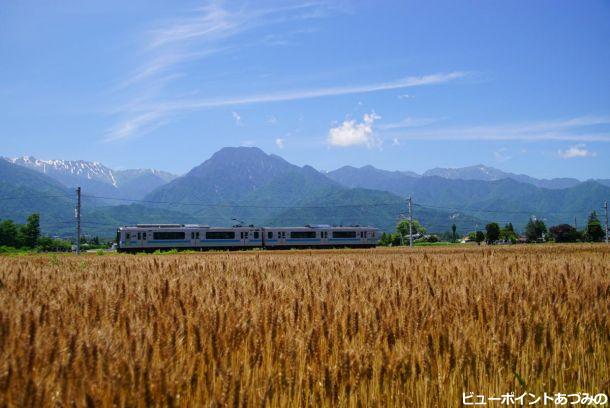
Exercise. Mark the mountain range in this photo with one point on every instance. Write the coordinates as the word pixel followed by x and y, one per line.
pixel 244 184
pixel 97 179
pixel 355 176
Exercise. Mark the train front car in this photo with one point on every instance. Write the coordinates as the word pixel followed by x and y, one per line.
pixel 320 236
pixel 152 237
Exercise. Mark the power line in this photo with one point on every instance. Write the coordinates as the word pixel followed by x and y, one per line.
pixel 33 196
pixel 475 210
pixel 243 206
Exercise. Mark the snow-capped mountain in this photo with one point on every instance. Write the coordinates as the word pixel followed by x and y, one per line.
pixel 68 171
pixel 486 173
pixel 96 179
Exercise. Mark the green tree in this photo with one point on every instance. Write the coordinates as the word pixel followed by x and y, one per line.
pixel 389 240
pixel 49 244
pixel 535 230
pixel 385 240
pixel 508 233
pixel 479 237
pixel 594 231
pixel 8 233
pixel 403 228
pixel 564 233
pixel 492 231
pixel 31 231
pixel 453 230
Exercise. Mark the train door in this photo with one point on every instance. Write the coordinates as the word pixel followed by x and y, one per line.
pixel 324 237
pixel 141 239
pixel 244 237
pixel 195 236
pixel 255 237
pixel 281 237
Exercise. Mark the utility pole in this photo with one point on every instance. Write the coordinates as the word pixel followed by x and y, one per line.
pixel 77 220
pixel 575 224
pixel 410 222
pixel 606 208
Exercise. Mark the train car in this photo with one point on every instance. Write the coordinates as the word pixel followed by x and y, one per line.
pixel 152 237
pixel 320 236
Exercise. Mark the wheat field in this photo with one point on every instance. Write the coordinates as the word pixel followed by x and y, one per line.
pixel 379 327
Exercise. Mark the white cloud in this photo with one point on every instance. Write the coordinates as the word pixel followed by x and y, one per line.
pixel 279 142
pixel 578 150
pixel 404 96
pixel 272 120
pixel 395 142
pixel 237 118
pixel 247 143
pixel 352 133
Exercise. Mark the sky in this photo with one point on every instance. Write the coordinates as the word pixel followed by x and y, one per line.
pixel 523 86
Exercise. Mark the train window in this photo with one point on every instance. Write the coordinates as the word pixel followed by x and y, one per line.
pixel 144 236
pixel 246 235
pixel 255 234
pixel 220 235
pixel 197 235
pixel 139 235
pixel 128 236
pixel 344 234
pixel 169 235
pixel 302 234
pixel 269 235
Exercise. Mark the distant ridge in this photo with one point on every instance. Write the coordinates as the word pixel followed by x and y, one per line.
pixel 486 173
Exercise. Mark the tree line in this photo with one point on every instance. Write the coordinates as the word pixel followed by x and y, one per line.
pixel 535 231
pixel 28 236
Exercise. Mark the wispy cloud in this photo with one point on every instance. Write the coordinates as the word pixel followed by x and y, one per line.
pixel 501 155
pixel 578 150
pixel 579 129
pixel 408 122
pixel 301 94
pixel 182 105
pixel 140 124
pixel 279 142
pixel 201 33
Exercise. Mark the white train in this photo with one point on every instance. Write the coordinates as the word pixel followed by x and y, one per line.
pixel 150 237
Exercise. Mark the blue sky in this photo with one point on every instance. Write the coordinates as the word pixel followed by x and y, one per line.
pixel 522 86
